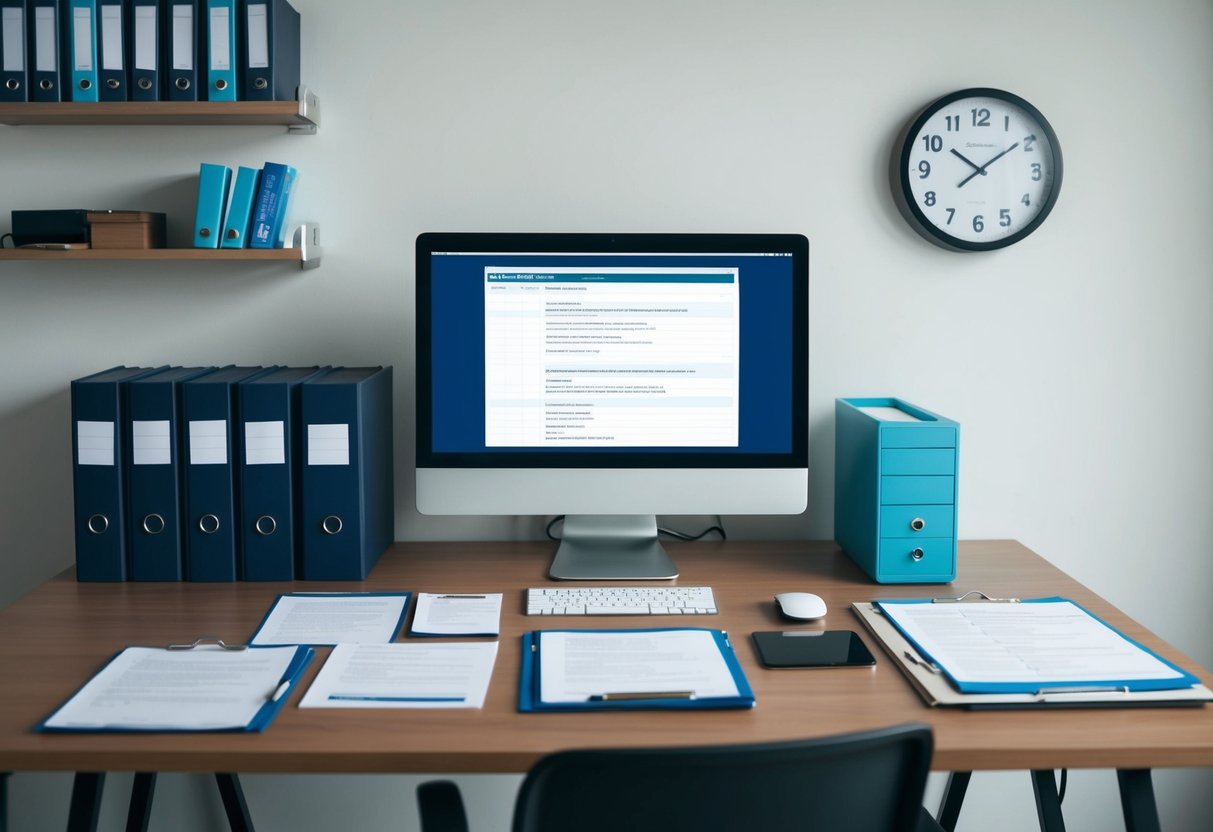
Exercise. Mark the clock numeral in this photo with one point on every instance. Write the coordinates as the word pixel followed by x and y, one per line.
pixel 981 117
pixel 1029 144
pixel 953 123
pixel 924 169
pixel 979 223
pixel 1004 218
pixel 951 213
pixel 929 198
pixel 1036 174
pixel 933 143
pixel 1026 200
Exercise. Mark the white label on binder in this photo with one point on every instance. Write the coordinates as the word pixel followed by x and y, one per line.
pixel 145 37
pixel 111 37
pixel 221 40
pixel 13 22
pixel 208 442
pixel 46 53
pixel 264 443
pixel 258 37
pixel 183 37
pixel 328 444
pixel 94 443
pixel 82 39
pixel 149 443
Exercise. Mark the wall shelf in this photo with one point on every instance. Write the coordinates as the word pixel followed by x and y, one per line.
pixel 301 116
pixel 305 251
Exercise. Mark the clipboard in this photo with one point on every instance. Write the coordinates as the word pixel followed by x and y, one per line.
pixel 300 657
pixel 529 683
pixel 938 692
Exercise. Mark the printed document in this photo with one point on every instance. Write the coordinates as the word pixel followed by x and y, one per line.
pixel 202 689
pixel 457 614
pixel 344 618
pixel 404 676
pixel 579 666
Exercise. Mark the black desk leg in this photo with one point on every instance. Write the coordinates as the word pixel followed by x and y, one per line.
pixel 86 801
pixel 142 790
pixel 1137 800
pixel 953 797
pixel 233 802
pixel 1048 805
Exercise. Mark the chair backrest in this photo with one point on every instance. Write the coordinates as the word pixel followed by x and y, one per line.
pixel 873 780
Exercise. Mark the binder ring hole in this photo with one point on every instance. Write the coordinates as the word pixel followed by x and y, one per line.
pixel 183 83
pixel 917 554
pixel 153 524
pixel 12 84
pixel 44 84
pixel 331 524
pixel 98 524
pixel 265 525
pixel 86 84
pixel 221 84
pixel 232 234
pixel 145 83
pixel 260 84
pixel 113 83
pixel 918 524
pixel 208 524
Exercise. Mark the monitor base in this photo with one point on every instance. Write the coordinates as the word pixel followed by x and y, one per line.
pixel 611 547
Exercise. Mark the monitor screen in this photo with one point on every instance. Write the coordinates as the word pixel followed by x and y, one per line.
pixel 603 375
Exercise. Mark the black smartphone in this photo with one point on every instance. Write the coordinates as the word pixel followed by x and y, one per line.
pixel 800 648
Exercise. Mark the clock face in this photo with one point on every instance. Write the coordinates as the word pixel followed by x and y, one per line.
pixel 980 169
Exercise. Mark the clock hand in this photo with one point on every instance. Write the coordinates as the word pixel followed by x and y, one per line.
pixel 982 169
pixel 973 165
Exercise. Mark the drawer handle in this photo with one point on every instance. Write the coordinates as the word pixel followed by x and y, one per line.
pixel 918 524
pixel 917 554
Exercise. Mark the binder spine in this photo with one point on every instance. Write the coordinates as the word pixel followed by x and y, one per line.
pixel 221 50
pixel 270 51
pixel 182 41
pixel 42 25
pixel 112 76
pixel 213 182
pixel 269 211
pixel 79 50
pixel 14 60
pixel 143 49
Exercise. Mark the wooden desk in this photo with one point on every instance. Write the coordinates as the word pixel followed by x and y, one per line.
pixel 58 635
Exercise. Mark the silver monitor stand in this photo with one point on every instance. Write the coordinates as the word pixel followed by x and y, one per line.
pixel 611 547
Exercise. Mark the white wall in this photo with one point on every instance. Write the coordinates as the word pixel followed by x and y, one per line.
pixel 1078 362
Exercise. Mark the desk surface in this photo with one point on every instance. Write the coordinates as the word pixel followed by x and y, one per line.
pixel 57 636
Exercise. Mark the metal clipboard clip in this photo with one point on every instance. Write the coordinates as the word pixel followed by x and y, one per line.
pixel 209 641
pixel 981 596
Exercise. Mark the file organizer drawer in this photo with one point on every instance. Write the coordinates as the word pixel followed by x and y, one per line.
pixel 895 490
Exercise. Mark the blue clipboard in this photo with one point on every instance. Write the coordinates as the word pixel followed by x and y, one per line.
pixel 260 721
pixel 1085 684
pixel 404 608
pixel 532 662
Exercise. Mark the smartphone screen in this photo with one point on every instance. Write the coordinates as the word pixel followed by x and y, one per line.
pixel 798 648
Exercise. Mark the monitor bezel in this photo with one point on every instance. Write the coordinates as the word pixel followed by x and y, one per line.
pixel 556 243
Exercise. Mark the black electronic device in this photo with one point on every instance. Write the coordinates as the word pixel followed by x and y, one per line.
pixel 50 226
pixel 809 648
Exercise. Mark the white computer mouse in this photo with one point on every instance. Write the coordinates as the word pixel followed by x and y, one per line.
pixel 803 606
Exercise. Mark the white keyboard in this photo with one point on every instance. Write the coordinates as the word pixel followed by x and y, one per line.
pixel 621 600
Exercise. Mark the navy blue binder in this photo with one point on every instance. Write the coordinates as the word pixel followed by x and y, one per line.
pixel 112 53
pixel 143 27
pixel 212 540
pixel 153 434
pixel 98 473
pixel 348 503
pixel 183 49
pixel 269 51
pixel 42 49
pixel 14 60
pixel 269 431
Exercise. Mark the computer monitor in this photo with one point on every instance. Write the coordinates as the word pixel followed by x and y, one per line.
pixel 611 378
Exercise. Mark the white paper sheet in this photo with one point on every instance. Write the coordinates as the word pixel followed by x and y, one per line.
pixel 328 444
pixel 258 37
pixel 332 619
pixel 183 37
pixel 264 443
pixel 404 676
pixel 111 37
pixel 208 442
pixel 206 688
pixel 221 39
pixel 579 666
pixel 94 443
pixel 457 614
pixel 150 443
pixel 12 21
pixel 145 37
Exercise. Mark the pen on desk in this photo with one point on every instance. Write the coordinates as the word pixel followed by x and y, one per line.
pixel 658 694
pixel 481 597
pixel 281 690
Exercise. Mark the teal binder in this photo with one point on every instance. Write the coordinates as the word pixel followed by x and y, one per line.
pixel 240 208
pixel 213 183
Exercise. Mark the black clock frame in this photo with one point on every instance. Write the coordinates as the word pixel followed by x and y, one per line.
pixel 905 196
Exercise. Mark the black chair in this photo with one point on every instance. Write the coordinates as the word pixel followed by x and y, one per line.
pixel 869 781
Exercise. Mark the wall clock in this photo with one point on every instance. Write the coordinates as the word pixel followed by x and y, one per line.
pixel 979 169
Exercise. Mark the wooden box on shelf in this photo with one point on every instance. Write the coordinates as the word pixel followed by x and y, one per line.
pixel 126 229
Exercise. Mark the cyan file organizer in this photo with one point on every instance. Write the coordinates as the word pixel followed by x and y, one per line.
pixel 895 470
